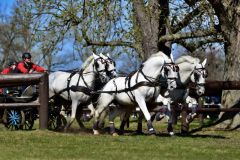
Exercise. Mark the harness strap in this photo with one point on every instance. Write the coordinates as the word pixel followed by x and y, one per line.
pixel 81 75
pixel 128 79
pixel 65 89
pixel 68 83
pixel 114 82
pixel 89 91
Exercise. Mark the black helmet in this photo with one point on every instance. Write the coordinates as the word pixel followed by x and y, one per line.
pixel 12 62
pixel 26 55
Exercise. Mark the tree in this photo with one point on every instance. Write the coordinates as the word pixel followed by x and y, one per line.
pixel 15 36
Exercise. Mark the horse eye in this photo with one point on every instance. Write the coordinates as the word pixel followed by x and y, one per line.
pixel 196 75
pixel 165 70
pixel 205 75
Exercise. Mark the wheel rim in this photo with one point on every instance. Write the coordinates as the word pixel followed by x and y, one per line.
pixel 13 119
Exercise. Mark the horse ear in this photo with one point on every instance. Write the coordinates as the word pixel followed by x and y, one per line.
pixel 103 56
pixel 204 62
pixel 95 56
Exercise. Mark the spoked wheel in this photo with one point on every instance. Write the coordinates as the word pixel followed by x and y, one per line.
pixel 28 121
pixel 56 122
pixel 14 118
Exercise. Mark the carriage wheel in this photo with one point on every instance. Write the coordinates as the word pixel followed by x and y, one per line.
pixel 28 120
pixel 56 122
pixel 14 119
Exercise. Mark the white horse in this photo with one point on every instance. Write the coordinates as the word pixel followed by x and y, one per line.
pixel 77 87
pixel 138 88
pixel 190 71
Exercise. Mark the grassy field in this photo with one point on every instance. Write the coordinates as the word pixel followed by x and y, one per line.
pixel 76 144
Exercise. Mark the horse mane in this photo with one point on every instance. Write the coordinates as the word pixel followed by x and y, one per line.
pixel 87 62
pixel 187 59
pixel 158 54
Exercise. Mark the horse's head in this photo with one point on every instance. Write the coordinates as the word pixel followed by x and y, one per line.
pixel 199 76
pixel 110 66
pixel 99 67
pixel 170 72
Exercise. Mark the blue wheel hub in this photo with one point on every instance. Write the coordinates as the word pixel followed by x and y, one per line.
pixel 14 117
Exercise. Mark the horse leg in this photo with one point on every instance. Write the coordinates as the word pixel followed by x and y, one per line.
pixel 73 115
pixel 102 118
pixel 142 104
pixel 192 103
pixel 79 113
pixel 169 119
pixel 112 115
pixel 124 120
pixel 103 103
pixel 92 110
pixel 139 126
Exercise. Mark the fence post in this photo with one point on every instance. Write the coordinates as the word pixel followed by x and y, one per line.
pixel 43 99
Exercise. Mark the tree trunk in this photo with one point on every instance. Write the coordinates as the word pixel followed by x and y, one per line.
pixel 232 73
pixel 151 20
pixel 228 14
pixel 230 26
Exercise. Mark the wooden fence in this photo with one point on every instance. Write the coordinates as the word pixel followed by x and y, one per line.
pixel 40 79
pixel 213 88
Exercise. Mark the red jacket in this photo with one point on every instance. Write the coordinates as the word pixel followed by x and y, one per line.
pixel 6 70
pixel 25 68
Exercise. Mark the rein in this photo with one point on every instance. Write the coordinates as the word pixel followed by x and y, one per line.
pixel 129 89
pixel 89 91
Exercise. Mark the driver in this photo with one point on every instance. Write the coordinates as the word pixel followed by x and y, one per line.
pixel 27 66
pixel 12 68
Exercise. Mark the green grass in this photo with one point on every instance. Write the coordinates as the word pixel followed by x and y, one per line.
pixel 77 144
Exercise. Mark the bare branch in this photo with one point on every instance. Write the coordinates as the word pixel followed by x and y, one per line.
pixel 193 46
pixel 179 36
pixel 112 43
pixel 187 19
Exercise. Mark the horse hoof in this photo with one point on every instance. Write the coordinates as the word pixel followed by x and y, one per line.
pixel 171 133
pixel 152 132
pixel 159 118
pixel 95 132
pixel 115 134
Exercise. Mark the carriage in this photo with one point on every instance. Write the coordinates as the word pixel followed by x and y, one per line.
pixel 23 118
pixel 15 118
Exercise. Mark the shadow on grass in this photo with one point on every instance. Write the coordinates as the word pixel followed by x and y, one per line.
pixel 201 136
pixel 106 131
